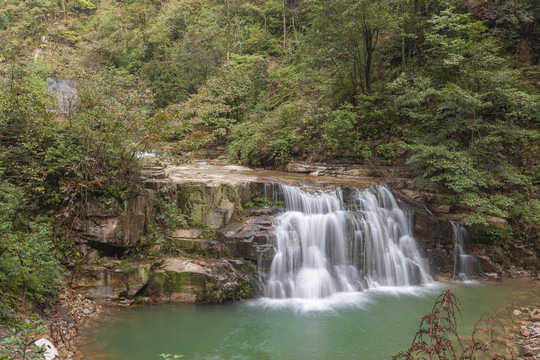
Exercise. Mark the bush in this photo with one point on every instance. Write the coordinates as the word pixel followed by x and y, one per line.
pixel 20 345
pixel 28 263
pixel 340 132
pixel 438 336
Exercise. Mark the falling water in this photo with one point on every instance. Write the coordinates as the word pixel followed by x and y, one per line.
pixel 326 246
pixel 464 264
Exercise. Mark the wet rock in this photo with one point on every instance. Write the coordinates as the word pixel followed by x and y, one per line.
pixel 197 245
pixel 191 233
pixel 212 205
pixel 250 239
pixel 445 209
pixel 487 265
pixel 497 223
pixel 438 260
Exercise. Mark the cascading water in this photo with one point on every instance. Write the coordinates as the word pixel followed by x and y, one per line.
pixel 464 264
pixel 325 246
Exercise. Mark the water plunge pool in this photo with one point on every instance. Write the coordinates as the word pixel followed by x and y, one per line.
pixel 369 325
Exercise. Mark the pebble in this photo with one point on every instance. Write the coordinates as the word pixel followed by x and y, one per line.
pixel 70 312
pixel 528 336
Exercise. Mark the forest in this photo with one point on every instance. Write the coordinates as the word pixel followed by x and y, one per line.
pixel 450 88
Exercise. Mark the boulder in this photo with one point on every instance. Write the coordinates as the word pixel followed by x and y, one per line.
pixel 112 280
pixel 170 279
pixel 252 239
pixel 110 229
pixel 203 280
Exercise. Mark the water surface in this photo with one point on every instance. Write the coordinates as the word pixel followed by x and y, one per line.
pixel 374 324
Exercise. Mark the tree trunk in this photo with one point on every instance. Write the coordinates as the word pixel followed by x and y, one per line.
pixel 284 25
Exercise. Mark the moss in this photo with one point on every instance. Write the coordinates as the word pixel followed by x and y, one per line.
pixel 185 282
pixel 245 291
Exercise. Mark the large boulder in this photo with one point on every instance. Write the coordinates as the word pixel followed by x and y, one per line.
pixel 252 238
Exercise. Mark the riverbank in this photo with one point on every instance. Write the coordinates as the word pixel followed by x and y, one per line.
pixel 527 331
pixel 62 320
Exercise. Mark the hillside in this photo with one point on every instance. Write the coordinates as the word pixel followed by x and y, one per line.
pixel 449 89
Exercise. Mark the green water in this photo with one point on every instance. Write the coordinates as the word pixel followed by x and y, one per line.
pixel 369 325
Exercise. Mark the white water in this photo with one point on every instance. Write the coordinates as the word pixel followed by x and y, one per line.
pixel 326 247
pixel 464 264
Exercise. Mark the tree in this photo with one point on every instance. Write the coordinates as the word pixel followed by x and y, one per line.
pixel 467 115
pixel 349 35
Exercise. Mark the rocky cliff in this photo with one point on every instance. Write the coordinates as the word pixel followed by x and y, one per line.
pixel 231 214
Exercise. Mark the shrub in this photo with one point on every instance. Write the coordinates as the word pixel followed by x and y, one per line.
pixel 438 336
pixel 28 264
pixel 20 345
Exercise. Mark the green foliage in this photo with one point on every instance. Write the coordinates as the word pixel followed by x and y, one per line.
pixel 220 103
pixel 340 131
pixel 4 21
pixel 263 202
pixel 84 156
pixel 347 35
pixel 85 5
pixel 20 344
pixel 467 116
pixel 454 170
pixel 168 217
pixel 281 151
pixel 28 264
pixel 513 23
pixel 488 236
pixel 52 165
pixel 526 210
pixel 248 144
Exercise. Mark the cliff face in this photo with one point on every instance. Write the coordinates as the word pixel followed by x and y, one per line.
pixel 231 215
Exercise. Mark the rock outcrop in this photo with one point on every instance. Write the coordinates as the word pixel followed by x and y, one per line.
pixel 167 279
pixel 110 230
pixel 214 259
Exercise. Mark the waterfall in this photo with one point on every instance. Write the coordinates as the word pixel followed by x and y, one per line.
pixel 325 245
pixel 464 264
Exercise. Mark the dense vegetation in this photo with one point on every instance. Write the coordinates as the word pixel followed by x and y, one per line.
pixel 450 87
